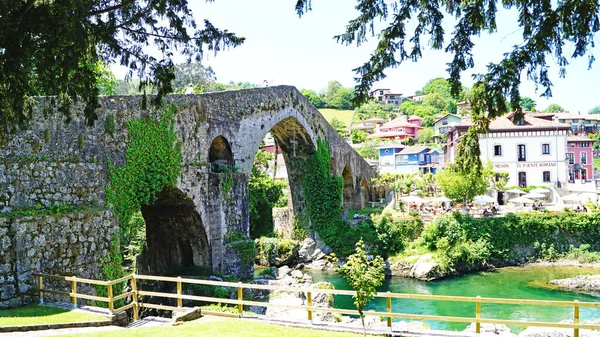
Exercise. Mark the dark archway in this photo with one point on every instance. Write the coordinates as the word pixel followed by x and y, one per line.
pixel 364 190
pixel 175 235
pixel 332 166
pixel 348 191
pixel 220 155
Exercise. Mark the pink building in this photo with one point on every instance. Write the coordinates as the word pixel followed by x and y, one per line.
pixel 400 128
pixel 580 159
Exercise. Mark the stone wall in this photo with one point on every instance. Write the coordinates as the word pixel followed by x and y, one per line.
pixel 25 184
pixel 283 220
pixel 70 244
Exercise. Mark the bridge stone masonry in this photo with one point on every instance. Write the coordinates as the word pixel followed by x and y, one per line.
pixel 53 161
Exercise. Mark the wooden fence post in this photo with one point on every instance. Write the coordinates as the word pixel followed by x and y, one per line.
pixel 478 315
pixel 240 299
pixel 179 299
pixel 74 292
pixel 388 308
pixel 576 318
pixel 134 298
pixel 309 304
pixel 41 287
pixel 111 304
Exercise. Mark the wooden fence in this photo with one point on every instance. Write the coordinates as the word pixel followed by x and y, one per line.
pixel 240 302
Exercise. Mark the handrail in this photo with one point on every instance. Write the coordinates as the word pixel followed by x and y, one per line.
pixel 240 302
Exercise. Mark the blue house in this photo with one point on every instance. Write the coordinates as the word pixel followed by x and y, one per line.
pixel 408 159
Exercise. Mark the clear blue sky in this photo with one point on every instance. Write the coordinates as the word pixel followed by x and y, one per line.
pixel 282 48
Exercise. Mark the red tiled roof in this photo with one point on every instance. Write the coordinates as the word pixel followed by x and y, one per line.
pixel 399 123
pixel 389 134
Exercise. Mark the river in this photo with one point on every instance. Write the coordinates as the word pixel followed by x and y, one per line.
pixel 511 282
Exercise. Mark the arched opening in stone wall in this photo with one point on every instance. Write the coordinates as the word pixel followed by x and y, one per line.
pixel 348 191
pixel 175 235
pixel 364 190
pixel 287 146
pixel 220 155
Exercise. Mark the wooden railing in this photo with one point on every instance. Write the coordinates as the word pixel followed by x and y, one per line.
pixel 240 302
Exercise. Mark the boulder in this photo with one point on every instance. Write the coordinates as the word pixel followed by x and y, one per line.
pixel 297 274
pixel 282 271
pixel 585 283
pixel 186 316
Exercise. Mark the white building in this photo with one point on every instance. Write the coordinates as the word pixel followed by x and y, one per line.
pixel 385 96
pixel 533 151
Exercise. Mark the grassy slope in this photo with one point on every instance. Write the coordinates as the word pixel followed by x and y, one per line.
pixel 345 116
pixel 35 314
pixel 222 327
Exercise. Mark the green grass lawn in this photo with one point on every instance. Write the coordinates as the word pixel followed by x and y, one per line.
pixel 345 116
pixel 37 314
pixel 222 327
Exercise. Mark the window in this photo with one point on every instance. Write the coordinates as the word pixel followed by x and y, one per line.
pixel 386 151
pixel 381 92
pixel 445 121
pixel 584 144
pixel 497 150
pixel 571 144
pixel 571 158
pixel 545 148
pixel 380 98
pixel 546 176
pixel 521 156
pixel 583 158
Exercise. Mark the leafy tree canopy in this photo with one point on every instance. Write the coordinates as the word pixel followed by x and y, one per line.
pixel 528 104
pixel 554 108
pixel 595 110
pixel 52 48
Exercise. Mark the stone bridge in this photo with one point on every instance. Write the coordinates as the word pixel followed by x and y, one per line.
pixel 57 162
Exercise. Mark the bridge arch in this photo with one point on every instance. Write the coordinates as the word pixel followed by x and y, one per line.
pixel 348 190
pixel 220 155
pixel 364 191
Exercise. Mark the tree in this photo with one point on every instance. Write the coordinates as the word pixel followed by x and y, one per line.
pixel 527 104
pixel 201 77
pixel 368 148
pixel 496 180
pixel 358 136
pixel 373 109
pixel 461 185
pixel 339 126
pixel 554 108
pixel 428 121
pixel 364 275
pixel 436 101
pixel 52 47
pixel 425 135
pixel 314 98
pixel 595 110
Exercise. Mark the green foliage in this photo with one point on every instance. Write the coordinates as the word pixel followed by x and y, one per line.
pixel 554 108
pixel 62 48
pixel 323 195
pixel 460 185
pixel 109 125
pixel 314 98
pixel 364 276
pixel 338 97
pixel 271 248
pixel 358 136
pixel 595 110
pixel 112 269
pixel 527 104
pixel 300 224
pixel 201 78
pixel 339 126
pixel 264 193
pixel 55 209
pixel 368 148
pixel 246 250
pixel 133 239
pixel 496 180
pixel 153 162
pixel 373 109
pixel 582 254
pixel 393 236
pixel 467 243
pixel 425 135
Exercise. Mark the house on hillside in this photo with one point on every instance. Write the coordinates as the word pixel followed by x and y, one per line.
pixel 417 97
pixel 368 125
pixel 442 124
pixel 579 159
pixel 581 124
pixel 397 158
pixel 386 97
pixel 399 129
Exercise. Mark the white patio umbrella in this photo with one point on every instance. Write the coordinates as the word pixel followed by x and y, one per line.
pixel 515 191
pixel 483 199
pixel 540 190
pixel 532 195
pixel 413 199
pixel 575 198
pixel 521 200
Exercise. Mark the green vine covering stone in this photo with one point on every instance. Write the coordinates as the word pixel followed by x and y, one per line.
pixel 323 195
pixel 153 162
pixel 246 250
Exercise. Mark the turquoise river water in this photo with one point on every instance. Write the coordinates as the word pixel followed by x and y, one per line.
pixel 512 282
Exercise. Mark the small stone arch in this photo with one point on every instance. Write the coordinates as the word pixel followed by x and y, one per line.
pixel 220 155
pixel 348 191
pixel 364 191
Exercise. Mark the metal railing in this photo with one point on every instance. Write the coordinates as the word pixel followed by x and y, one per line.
pixel 240 302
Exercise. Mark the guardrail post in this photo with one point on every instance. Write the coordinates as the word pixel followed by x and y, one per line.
pixel 576 318
pixel 478 315
pixel 111 304
pixel 134 299
pixel 41 287
pixel 240 299
pixel 309 305
pixel 179 299
pixel 388 308
pixel 74 292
